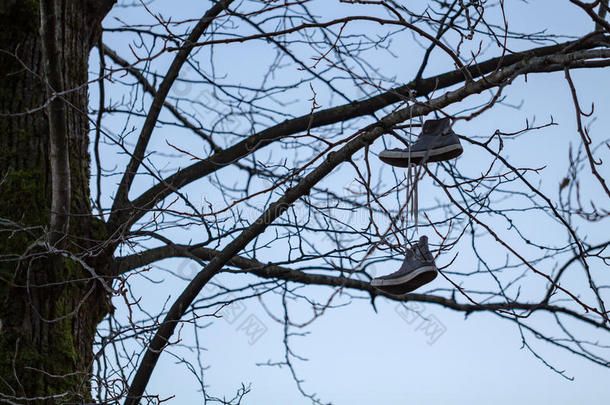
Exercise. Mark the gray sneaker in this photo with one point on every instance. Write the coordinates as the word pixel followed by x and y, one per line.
pixel 417 269
pixel 436 143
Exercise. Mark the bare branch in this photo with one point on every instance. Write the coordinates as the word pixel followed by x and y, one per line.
pixel 583 135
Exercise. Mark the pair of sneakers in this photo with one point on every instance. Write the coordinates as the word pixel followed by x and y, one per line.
pixel 436 143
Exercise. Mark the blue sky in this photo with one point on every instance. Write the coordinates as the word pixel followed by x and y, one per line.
pixel 356 355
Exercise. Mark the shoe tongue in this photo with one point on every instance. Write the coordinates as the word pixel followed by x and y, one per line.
pixel 430 126
pixel 417 252
pixel 434 125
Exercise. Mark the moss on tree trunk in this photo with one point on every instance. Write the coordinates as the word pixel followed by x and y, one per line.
pixel 49 305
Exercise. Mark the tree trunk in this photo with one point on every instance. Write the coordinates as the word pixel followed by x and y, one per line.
pixel 49 305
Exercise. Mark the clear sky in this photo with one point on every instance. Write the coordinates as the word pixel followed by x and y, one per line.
pixel 359 356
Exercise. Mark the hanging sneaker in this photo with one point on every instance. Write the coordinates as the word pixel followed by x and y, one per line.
pixel 436 143
pixel 417 269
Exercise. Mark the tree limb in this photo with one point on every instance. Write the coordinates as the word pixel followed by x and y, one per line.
pixel 273 271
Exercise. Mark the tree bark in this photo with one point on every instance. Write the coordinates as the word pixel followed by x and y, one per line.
pixel 49 305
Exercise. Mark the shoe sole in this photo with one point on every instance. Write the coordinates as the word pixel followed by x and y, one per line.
pixel 404 159
pixel 408 282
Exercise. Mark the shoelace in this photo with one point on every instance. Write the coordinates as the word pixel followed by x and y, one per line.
pixel 419 252
pixel 412 193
